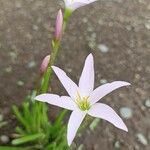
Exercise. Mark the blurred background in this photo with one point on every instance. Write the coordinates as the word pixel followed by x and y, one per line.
pixel 117 32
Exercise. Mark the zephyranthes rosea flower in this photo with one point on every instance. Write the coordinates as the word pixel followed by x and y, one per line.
pixel 74 4
pixel 82 99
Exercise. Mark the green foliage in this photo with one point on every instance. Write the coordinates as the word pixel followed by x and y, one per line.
pixel 13 148
pixel 35 130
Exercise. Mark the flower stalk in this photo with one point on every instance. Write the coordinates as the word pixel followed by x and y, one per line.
pixel 47 76
pixel 61 23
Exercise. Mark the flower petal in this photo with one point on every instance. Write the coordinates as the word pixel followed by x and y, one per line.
pixel 105 89
pixel 53 99
pixel 74 123
pixel 107 113
pixel 74 4
pixel 86 82
pixel 68 84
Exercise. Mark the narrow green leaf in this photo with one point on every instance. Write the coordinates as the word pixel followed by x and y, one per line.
pixel 13 148
pixel 4 123
pixel 27 138
pixel 20 131
pixel 20 117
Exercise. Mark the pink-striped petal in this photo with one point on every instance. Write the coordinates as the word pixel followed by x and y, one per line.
pixel 74 123
pixel 53 99
pixel 68 84
pixel 105 89
pixel 86 82
pixel 107 113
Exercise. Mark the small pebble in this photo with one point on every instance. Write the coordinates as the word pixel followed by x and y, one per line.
pixel 103 48
pixel 85 20
pixel 90 29
pixel 29 36
pixel 147 26
pixel 13 56
pixel 100 22
pixel 103 81
pixel 35 27
pixel 8 69
pixel 117 145
pixel 20 83
pixel 93 35
pixel 4 139
pixel 18 5
pixel 136 147
pixel 126 112
pixel 31 64
pixel 129 28
pixel 147 103
pixel 142 139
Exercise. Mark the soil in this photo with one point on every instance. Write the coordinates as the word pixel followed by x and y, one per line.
pixel 26 28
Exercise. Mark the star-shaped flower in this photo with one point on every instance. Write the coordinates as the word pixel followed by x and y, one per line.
pixel 82 99
pixel 74 4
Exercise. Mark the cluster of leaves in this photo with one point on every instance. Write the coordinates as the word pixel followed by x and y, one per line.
pixel 36 131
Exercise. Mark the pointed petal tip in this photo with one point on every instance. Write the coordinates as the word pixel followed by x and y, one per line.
pixel 122 83
pixel 127 83
pixel 90 56
pixel 125 128
pixel 74 123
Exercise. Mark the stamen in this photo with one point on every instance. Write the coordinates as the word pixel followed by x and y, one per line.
pixel 83 102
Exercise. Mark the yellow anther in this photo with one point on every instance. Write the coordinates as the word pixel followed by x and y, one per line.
pixel 83 102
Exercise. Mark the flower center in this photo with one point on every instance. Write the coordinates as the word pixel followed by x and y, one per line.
pixel 83 102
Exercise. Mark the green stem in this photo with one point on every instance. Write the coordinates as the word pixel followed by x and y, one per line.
pixel 47 76
pixel 67 15
pixel 55 49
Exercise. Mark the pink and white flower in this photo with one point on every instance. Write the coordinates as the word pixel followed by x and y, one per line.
pixel 74 4
pixel 82 99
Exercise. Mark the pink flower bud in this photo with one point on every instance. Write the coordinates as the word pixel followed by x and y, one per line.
pixel 44 64
pixel 58 25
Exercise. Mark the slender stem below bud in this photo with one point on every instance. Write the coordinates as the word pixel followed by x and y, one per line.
pixel 55 48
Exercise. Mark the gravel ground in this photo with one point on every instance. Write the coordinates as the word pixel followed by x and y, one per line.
pixel 117 32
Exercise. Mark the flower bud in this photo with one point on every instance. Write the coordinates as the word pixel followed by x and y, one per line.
pixel 59 25
pixel 44 64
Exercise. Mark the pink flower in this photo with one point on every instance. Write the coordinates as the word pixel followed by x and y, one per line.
pixel 44 64
pixel 74 4
pixel 82 99
pixel 58 25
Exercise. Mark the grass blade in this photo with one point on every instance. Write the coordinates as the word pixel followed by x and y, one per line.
pixel 27 138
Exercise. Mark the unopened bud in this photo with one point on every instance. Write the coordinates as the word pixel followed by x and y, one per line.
pixel 59 25
pixel 44 64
